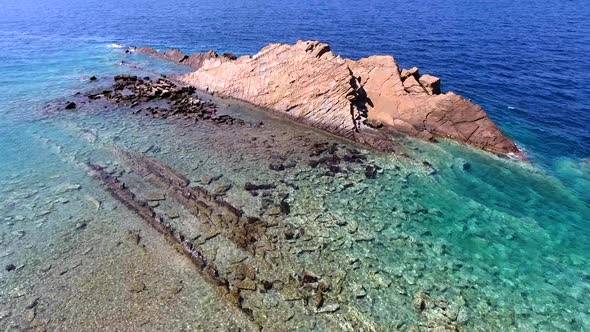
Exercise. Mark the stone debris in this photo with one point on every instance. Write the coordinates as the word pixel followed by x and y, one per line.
pixel 179 102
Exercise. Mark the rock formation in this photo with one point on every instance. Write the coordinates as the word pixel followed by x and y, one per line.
pixel 365 100
pixel 194 61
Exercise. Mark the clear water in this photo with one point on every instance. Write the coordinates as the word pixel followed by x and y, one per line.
pixel 508 243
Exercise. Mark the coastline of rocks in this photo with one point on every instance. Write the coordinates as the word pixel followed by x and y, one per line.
pixel 368 101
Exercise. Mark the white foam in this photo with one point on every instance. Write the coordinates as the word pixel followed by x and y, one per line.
pixel 115 46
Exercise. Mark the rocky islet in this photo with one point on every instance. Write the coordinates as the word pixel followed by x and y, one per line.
pixel 368 100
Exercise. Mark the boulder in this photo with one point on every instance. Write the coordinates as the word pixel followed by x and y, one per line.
pixel 412 86
pixel 431 84
pixel 306 82
pixel 196 60
pixel 413 72
pixel 229 56
pixel 175 55
pixel 71 106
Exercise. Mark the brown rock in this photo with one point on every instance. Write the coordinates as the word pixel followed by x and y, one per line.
pixel 431 84
pixel 246 284
pixel 309 84
pixel 175 55
pixel 412 86
pixel 406 73
pixel 196 60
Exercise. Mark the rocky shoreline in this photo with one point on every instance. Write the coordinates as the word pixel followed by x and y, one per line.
pixel 368 101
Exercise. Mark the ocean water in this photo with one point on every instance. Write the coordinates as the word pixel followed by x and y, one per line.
pixel 506 245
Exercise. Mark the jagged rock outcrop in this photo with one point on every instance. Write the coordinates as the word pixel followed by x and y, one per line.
pixel 363 100
pixel 195 61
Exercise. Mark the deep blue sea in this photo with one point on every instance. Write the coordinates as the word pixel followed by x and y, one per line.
pixel 519 230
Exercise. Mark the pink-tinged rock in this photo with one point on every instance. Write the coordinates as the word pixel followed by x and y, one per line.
pixel 361 100
pixel 175 55
pixel 414 87
pixel 431 84
pixel 195 61
pixel 406 73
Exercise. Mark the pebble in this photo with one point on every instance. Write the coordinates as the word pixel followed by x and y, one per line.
pixel 137 287
pixel 359 291
pixel 208 179
pixel 329 308
pixel 173 214
pixel 80 225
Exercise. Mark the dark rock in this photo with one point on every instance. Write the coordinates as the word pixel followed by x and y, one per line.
pixel 71 105
pixel 92 78
pixel 276 166
pixel 10 267
pixel 376 124
pixel 251 187
pixel 313 163
pixel 420 301
pixel 229 56
pixel 267 284
pixel 309 278
pixel 466 167
pixel 33 303
pixel 371 171
pixel 285 207
pixel 292 234
pixel 429 167
pixel 80 225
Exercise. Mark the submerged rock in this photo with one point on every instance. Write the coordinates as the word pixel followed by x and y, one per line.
pixel 347 97
pixel 71 106
pixel 194 61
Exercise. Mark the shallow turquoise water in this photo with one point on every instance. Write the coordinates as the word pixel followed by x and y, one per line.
pixel 512 241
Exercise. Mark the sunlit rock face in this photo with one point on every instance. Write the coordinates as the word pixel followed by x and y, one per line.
pixel 361 100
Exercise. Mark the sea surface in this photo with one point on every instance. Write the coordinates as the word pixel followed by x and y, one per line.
pixel 505 244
